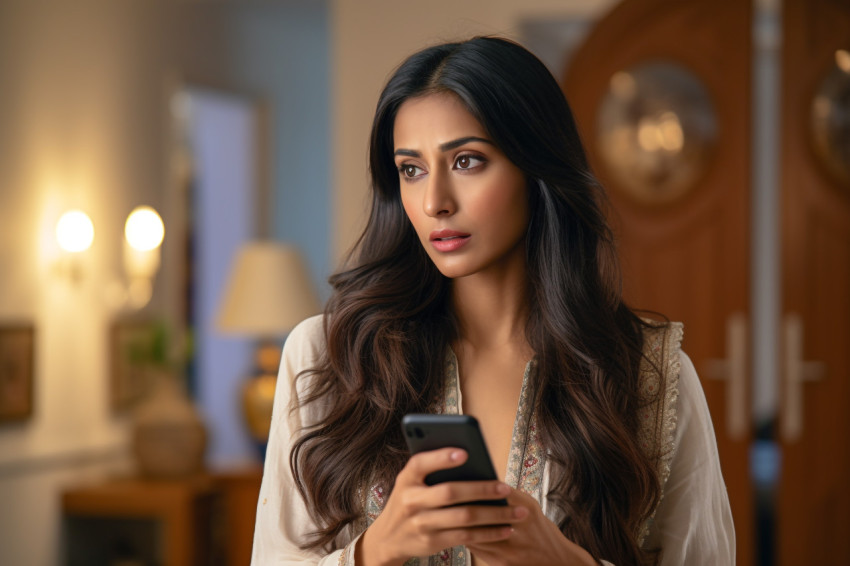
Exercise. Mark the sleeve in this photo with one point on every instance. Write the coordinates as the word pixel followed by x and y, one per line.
pixel 693 522
pixel 282 518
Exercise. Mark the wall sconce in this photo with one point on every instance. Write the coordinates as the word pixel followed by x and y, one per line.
pixel 143 236
pixel 75 231
pixel 74 234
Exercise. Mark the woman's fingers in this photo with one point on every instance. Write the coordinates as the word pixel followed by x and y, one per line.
pixel 480 535
pixel 424 463
pixel 426 518
pixel 419 519
pixel 469 516
pixel 457 492
pixel 448 493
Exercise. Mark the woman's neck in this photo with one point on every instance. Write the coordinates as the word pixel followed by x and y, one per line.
pixel 491 310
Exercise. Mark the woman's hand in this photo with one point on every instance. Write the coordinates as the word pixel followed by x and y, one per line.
pixel 536 540
pixel 416 520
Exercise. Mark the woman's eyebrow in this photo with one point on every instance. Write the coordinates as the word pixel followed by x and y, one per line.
pixel 408 153
pixel 454 144
pixel 447 146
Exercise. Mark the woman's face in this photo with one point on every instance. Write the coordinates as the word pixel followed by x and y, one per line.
pixel 467 202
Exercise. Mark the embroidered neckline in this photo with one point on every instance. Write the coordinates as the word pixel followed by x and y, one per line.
pixel 525 462
pixel 524 469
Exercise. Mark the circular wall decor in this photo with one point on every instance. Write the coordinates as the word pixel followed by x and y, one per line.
pixel 830 118
pixel 656 131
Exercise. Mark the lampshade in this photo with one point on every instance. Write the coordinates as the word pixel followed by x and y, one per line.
pixel 268 292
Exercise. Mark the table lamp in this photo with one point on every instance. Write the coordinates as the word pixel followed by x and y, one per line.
pixel 268 292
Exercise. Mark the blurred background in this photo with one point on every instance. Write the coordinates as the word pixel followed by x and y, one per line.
pixel 179 179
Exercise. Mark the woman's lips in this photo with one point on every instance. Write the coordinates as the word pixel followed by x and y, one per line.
pixel 448 240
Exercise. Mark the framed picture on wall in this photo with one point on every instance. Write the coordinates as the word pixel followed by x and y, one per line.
pixel 17 349
pixel 129 349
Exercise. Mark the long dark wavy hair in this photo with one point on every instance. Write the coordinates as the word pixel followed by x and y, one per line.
pixel 389 325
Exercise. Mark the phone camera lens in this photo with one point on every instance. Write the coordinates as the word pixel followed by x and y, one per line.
pixel 419 433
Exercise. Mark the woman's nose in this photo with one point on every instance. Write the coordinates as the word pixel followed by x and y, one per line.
pixel 439 200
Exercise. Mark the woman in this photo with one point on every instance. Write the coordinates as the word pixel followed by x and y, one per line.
pixel 485 283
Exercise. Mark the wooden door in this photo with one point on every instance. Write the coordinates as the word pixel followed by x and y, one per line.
pixel 813 510
pixel 687 256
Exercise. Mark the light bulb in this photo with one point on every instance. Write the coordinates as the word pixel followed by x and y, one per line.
pixel 144 229
pixel 75 231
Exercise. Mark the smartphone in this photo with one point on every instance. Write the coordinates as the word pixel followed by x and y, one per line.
pixel 429 432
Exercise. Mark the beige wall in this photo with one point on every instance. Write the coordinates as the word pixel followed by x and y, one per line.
pixel 371 37
pixel 72 134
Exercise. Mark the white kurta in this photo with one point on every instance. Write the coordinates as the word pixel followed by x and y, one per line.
pixel 692 524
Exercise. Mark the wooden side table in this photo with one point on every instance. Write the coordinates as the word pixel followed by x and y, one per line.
pixel 180 507
pixel 201 520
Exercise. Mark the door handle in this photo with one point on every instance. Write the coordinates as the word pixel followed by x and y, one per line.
pixel 733 369
pixel 796 373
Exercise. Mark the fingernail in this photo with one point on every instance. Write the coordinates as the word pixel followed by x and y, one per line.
pixel 520 512
pixel 456 455
pixel 503 489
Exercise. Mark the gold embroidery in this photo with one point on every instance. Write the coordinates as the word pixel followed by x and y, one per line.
pixel 443 558
pixel 526 462
pixel 343 556
pixel 449 401
pixel 657 419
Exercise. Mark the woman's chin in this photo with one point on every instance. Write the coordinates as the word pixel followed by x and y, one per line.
pixel 453 270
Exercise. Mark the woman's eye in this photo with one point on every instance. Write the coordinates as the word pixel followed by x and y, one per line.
pixel 468 162
pixel 410 171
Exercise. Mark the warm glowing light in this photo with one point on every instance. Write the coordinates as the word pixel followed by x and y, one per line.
pixel 662 132
pixel 842 59
pixel 144 229
pixel 670 130
pixel 74 231
pixel 647 134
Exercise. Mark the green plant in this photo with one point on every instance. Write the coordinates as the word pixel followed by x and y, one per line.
pixel 158 349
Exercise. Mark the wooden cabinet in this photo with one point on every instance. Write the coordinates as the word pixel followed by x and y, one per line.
pixel 203 520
